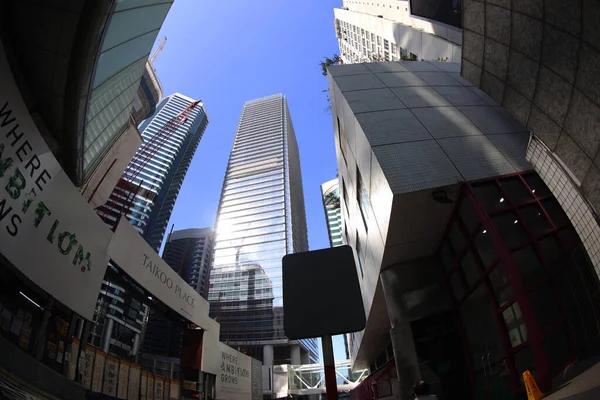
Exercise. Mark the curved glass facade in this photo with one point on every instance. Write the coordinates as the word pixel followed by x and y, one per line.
pixel 261 218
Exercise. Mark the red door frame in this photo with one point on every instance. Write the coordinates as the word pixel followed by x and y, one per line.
pixel 535 336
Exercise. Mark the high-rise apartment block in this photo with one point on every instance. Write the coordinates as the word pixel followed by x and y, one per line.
pixel 261 218
pixel 330 191
pixel 161 177
pixel 472 269
pixel 391 30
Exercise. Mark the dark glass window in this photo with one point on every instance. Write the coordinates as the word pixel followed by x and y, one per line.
pixel 485 247
pixel 513 319
pixel 535 219
pixel 555 212
pixel 470 269
pixel 523 362
pixel 457 286
pixel 456 238
pixel 446 256
pixel 510 229
pixel 544 306
pixel 516 191
pixel 468 216
pixel 551 252
pixel 363 198
pixel 537 185
pixel 558 348
pixel 490 196
pixel 500 284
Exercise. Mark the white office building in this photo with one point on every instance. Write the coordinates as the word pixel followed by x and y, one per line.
pixel 390 30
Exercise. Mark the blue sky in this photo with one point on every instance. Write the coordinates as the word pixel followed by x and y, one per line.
pixel 226 53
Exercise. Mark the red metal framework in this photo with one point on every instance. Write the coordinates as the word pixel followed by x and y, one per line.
pixel 506 244
pixel 126 189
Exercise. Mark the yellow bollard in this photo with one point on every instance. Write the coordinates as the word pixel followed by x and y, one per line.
pixel 533 391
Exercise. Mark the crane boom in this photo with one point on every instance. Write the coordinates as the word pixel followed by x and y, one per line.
pixel 126 189
pixel 158 50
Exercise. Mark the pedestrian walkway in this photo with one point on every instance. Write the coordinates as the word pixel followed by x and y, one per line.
pixel 585 386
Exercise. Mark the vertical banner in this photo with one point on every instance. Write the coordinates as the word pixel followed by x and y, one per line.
pixel 133 391
pixel 144 385
pixel 98 371
pixel 86 366
pixel 123 379
pixel 174 390
pixel 111 376
pixel 150 390
pixel 71 358
pixel 159 388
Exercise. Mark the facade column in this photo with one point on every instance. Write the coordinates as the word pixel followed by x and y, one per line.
pixel 136 344
pixel 295 354
pixel 405 352
pixel 107 334
pixel 268 355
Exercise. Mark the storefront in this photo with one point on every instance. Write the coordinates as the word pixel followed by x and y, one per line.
pixel 524 293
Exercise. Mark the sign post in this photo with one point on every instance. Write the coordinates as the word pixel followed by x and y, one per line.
pixel 329 366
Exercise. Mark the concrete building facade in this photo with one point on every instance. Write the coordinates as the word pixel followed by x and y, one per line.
pixel 457 239
pixel 387 30
pixel 261 218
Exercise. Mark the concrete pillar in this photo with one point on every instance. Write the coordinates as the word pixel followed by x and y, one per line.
pixel 295 354
pixel 136 344
pixel 268 355
pixel 107 334
pixel 405 352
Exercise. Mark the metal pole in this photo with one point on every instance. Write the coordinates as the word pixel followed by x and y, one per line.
pixel 329 364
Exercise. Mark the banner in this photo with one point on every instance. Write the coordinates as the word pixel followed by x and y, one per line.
pixel 159 388
pixel 111 376
pixel 133 392
pixel 123 380
pixel 133 255
pixel 234 382
pixel 98 371
pixel 174 390
pixel 47 229
pixel 144 386
pixel 150 390
pixel 86 366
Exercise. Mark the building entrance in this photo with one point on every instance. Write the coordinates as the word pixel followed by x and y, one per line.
pixel 508 261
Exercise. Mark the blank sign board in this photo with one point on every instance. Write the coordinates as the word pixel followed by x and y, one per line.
pixel 321 293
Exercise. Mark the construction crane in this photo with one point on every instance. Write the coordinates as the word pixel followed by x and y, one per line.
pixel 158 50
pixel 126 189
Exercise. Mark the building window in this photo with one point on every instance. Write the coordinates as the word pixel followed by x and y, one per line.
pixel 362 195
pixel 358 255
pixel 345 197
pixel 379 40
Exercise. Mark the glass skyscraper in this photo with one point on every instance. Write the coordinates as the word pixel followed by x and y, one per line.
pixel 330 191
pixel 261 218
pixel 161 178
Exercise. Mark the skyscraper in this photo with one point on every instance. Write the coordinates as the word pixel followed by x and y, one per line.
pixel 330 191
pixel 189 252
pixel 161 178
pixel 261 218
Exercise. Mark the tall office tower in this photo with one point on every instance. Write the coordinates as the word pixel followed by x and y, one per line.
pixel 390 30
pixel 189 252
pixel 261 218
pixel 330 191
pixel 160 179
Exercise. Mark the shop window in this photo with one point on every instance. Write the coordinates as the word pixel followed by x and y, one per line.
pixel 457 286
pixel 470 269
pixel 501 286
pixel 544 306
pixel 537 185
pixel 510 229
pixel 490 196
pixel 516 191
pixel 456 238
pixel 485 247
pixel 535 219
pixel 513 319
pixel 529 266
pixel 468 216
pixel 555 212
pixel 558 349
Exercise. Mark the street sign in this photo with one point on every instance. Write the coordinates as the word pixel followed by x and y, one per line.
pixel 321 293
